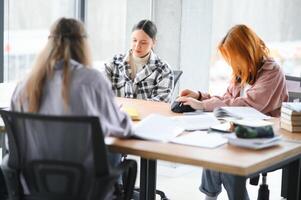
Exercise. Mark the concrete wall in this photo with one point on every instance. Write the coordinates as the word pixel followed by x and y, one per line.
pixel 184 38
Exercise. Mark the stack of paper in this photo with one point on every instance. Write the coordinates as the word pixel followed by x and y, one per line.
pixel 257 143
pixel 291 116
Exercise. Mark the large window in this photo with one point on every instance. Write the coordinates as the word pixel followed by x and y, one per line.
pixel 276 22
pixel 106 28
pixel 26 28
pixel 188 33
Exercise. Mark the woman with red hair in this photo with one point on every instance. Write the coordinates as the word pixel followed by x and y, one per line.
pixel 257 81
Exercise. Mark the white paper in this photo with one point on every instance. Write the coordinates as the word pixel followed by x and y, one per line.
pixel 201 139
pixel 196 122
pixel 257 143
pixel 157 127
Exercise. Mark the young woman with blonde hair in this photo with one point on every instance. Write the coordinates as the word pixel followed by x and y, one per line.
pixel 62 82
pixel 257 81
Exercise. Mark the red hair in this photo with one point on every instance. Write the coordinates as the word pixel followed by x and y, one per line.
pixel 245 52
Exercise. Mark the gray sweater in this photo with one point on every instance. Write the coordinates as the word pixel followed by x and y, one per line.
pixel 90 95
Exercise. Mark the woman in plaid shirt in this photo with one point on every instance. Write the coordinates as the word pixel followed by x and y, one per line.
pixel 141 73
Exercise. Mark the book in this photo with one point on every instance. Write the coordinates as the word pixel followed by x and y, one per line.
pixel 201 139
pixel 290 127
pixel 290 122
pixel 294 118
pixel 290 112
pixel 294 106
pixel 258 143
pixel 239 112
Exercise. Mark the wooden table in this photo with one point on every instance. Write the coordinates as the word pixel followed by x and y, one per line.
pixel 243 163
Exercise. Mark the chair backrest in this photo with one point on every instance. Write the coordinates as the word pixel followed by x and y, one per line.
pixel 177 74
pixel 62 157
pixel 294 88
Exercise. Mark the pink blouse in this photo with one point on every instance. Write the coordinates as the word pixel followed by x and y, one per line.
pixel 266 94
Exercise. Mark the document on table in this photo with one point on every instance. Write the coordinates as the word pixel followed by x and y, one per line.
pixel 163 128
pixel 239 112
pixel 201 139
pixel 196 122
pixel 157 127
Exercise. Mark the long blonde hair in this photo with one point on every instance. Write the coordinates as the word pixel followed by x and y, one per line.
pixel 67 40
pixel 245 51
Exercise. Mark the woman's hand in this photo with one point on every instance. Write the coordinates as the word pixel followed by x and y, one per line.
pixel 192 102
pixel 189 93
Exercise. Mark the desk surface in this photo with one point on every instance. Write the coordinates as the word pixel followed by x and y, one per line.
pixel 226 158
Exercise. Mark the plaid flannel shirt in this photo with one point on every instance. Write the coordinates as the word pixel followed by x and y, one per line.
pixel 153 82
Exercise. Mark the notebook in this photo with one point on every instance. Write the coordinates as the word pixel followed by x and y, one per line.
pixel 239 112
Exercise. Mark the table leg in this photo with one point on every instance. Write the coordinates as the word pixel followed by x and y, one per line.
pixel 148 176
pixel 291 183
pixel 239 187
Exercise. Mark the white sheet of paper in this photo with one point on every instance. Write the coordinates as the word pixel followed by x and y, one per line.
pixel 157 127
pixel 257 143
pixel 196 122
pixel 201 139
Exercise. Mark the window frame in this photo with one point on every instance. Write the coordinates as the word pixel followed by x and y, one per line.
pixel 80 13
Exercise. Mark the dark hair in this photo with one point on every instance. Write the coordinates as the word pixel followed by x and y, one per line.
pixel 148 27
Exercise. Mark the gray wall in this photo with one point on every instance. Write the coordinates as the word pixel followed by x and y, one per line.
pixel 184 38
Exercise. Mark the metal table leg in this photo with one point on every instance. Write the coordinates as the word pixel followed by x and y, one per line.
pixel 240 187
pixel 148 176
pixel 291 186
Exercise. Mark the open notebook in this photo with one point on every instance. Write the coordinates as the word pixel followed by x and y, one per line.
pixel 162 128
pixel 239 112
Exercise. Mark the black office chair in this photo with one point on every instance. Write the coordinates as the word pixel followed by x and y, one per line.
pixel 177 74
pixel 294 94
pixel 61 158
